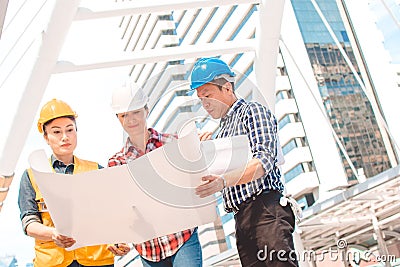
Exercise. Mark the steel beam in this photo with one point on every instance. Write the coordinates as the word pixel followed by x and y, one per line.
pixel 143 7
pixel 163 54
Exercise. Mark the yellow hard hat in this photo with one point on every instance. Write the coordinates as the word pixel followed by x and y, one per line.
pixel 54 109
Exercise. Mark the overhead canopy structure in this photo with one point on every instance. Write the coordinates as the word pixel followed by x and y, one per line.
pixel 63 15
pixel 366 214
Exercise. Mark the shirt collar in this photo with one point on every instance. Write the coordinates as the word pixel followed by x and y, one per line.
pixel 154 136
pixel 56 162
pixel 238 103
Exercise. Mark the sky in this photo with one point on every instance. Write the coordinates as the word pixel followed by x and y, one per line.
pixel 389 23
pixel 87 92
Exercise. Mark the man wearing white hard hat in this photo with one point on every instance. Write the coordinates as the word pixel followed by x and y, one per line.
pixel 181 249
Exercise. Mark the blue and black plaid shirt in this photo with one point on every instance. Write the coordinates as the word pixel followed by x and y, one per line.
pixel 259 124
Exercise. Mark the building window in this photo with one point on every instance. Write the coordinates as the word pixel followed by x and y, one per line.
pixel 284 121
pixel 165 17
pixel 289 147
pixel 306 201
pixel 296 171
pixel 288 119
pixel 281 95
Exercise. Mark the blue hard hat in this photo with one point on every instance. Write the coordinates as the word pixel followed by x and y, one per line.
pixel 208 69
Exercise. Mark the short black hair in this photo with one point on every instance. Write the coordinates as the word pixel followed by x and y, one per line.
pixel 221 81
pixel 48 122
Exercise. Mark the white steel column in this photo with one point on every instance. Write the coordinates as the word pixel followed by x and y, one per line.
pixel 52 41
pixel 382 247
pixel 5 182
pixel 3 11
pixel 267 34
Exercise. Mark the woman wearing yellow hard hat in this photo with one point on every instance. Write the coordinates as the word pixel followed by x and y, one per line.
pixel 58 126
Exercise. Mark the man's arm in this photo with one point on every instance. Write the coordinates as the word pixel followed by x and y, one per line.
pixel 215 183
pixel 262 132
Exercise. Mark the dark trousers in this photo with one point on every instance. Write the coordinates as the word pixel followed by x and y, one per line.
pixel 264 232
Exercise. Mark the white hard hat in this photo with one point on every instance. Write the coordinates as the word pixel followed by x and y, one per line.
pixel 128 97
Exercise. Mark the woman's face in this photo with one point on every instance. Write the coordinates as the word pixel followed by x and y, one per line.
pixel 134 122
pixel 61 136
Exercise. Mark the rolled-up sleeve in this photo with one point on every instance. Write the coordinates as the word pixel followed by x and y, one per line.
pixel 29 211
pixel 262 133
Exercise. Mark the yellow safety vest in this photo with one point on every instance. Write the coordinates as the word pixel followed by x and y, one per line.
pixel 49 254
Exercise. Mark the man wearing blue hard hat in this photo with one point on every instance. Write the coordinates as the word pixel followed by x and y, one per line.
pixel 264 227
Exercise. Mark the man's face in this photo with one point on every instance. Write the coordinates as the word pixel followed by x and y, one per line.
pixel 215 101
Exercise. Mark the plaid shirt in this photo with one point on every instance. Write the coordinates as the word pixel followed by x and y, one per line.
pixel 162 247
pixel 258 123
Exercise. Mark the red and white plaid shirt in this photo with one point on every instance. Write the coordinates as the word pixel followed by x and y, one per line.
pixel 161 247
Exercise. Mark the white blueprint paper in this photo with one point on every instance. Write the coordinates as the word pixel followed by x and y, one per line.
pixel 146 198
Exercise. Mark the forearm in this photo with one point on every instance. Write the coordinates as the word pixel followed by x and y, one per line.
pixel 40 231
pixel 250 172
pixel 215 183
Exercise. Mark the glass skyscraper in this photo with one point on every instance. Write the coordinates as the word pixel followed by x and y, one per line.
pixel 346 104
